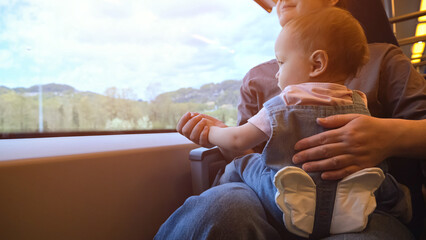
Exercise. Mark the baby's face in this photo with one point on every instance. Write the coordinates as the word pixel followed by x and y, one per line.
pixel 293 61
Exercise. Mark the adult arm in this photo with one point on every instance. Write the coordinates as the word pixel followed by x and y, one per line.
pixel 359 142
pixel 259 85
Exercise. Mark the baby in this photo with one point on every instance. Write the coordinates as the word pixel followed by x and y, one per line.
pixel 317 54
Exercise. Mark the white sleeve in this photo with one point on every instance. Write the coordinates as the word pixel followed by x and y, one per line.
pixel 261 121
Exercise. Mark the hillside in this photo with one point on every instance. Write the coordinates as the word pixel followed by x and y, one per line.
pixel 51 87
pixel 4 90
pixel 226 92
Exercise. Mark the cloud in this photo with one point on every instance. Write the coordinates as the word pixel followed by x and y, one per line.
pixel 149 46
pixel 212 42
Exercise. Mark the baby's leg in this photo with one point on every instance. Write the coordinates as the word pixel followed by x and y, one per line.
pixel 230 174
pixel 234 170
pixel 253 171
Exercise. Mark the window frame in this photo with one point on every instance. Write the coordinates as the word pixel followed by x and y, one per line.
pixel 78 134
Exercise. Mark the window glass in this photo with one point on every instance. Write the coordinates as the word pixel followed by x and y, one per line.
pixel 96 65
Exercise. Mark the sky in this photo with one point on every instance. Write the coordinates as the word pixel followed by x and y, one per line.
pixel 147 46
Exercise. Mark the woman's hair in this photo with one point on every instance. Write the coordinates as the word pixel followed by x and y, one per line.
pixel 335 31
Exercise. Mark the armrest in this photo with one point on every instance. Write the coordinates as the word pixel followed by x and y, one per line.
pixel 205 163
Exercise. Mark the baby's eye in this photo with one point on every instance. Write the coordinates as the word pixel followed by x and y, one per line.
pixel 280 63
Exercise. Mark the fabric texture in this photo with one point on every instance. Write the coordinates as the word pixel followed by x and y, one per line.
pixel 205 217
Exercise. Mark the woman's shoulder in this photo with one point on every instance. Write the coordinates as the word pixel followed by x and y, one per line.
pixel 385 55
pixel 261 78
pixel 384 50
pixel 381 46
pixel 268 68
pixel 267 64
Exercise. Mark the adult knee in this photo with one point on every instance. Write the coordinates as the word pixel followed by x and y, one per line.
pixel 233 211
pixel 231 204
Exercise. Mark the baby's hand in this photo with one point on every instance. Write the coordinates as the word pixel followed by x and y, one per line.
pixel 195 127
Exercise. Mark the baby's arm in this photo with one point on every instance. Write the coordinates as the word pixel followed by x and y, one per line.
pixel 232 141
pixel 236 139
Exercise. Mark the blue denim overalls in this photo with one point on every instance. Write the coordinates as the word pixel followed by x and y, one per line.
pixel 289 124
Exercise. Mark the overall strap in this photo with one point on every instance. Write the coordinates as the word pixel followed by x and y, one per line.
pixel 325 197
pixel 274 103
pixel 359 102
pixel 326 192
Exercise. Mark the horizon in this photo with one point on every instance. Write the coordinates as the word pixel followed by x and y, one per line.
pixel 105 94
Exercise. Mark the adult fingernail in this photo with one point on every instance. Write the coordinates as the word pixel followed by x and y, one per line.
pixel 306 167
pixel 325 176
pixel 320 120
pixel 296 159
pixel 296 146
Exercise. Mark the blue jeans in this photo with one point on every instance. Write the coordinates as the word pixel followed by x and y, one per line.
pixel 228 211
pixel 233 211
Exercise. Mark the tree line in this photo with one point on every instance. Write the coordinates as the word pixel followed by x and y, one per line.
pixel 115 110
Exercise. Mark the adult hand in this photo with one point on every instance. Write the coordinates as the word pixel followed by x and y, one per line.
pixel 194 127
pixel 357 142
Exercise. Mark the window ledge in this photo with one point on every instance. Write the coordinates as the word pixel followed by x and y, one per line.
pixel 14 149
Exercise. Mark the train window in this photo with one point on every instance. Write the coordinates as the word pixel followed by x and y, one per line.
pixel 118 65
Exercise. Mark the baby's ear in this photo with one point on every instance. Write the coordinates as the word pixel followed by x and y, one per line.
pixel 319 63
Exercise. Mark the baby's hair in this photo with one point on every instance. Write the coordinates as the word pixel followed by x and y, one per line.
pixel 342 4
pixel 337 32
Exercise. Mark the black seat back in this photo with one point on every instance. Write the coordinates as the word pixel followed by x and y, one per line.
pixel 372 16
